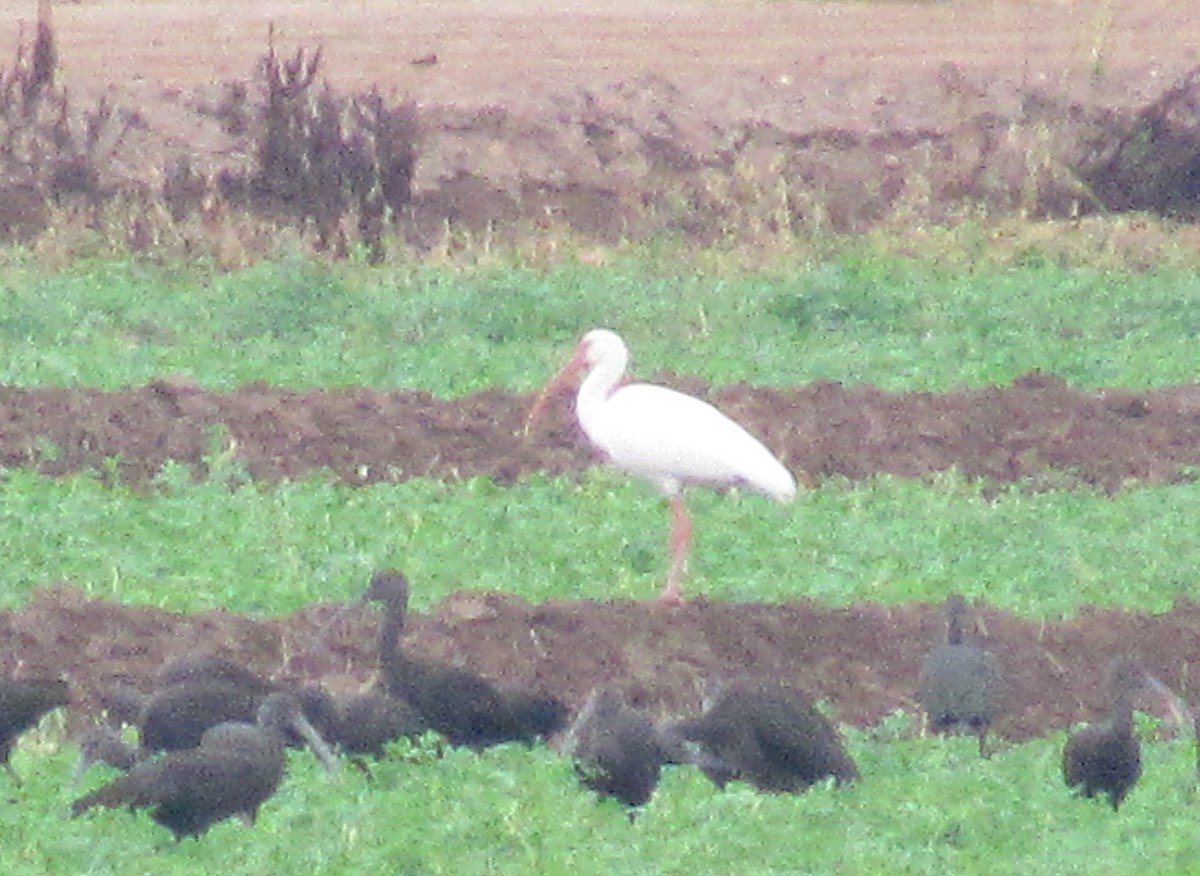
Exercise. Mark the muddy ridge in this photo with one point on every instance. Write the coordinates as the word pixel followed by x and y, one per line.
pixel 1037 430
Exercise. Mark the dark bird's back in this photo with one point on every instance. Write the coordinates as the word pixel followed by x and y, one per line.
pixel 960 686
pixel 213 669
pixel 23 702
pixel 766 733
pixel 617 749
pixel 1106 757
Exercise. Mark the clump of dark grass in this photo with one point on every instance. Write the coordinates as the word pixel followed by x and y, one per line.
pixel 337 167
pixel 339 171
pixel 50 157
pixel 342 166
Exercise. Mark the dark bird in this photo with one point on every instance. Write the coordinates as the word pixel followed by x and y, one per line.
pixel 197 693
pixel 235 768
pixel 464 707
pixel 960 686
pixel 211 668
pixel 370 720
pixel 23 702
pixel 1106 757
pixel 616 748
pixel 766 733
pixel 102 743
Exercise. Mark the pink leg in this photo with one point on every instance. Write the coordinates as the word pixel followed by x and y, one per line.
pixel 681 539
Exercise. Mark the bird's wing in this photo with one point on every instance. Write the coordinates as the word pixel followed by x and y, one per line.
pixel 669 437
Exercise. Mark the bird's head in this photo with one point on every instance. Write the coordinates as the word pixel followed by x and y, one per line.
pixel 598 345
pixel 1128 677
pixel 388 586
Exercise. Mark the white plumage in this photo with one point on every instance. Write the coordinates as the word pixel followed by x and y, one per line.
pixel 666 437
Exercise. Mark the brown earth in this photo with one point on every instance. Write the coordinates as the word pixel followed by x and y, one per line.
pixel 493 122
pixel 1038 432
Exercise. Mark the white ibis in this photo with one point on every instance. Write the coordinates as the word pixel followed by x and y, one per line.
pixel 668 438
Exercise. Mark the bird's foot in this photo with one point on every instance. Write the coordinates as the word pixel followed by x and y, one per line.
pixel 671 596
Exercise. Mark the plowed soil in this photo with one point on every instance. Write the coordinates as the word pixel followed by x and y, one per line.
pixel 863 660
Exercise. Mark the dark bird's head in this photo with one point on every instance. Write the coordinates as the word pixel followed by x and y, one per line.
pixel 102 743
pixel 389 586
pixel 283 713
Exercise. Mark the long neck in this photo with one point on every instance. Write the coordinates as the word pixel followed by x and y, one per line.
pixel 405 675
pixel 955 621
pixel 1121 714
pixel 389 632
pixel 599 384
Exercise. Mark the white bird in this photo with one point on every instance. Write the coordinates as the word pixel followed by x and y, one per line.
pixel 668 438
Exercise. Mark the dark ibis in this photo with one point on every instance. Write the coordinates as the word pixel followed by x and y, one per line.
pixel 196 693
pixel 1106 757
pixel 616 748
pixel 961 686
pixel 236 767
pixel 466 708
pixel 766 733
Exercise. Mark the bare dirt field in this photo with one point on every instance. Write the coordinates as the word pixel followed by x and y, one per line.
pixel 613 118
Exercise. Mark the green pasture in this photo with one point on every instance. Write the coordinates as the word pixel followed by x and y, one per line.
pixel 925 806
pixel 854 314
pixel 272 549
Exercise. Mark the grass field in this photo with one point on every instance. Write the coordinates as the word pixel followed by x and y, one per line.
pixel 887 540
pixel 858 315
pixel 924 806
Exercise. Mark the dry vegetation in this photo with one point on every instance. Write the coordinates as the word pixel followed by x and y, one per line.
pixel 646 156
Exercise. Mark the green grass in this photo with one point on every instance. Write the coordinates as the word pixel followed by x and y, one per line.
pixel 273 549
pixel 901 323
pixel 924 806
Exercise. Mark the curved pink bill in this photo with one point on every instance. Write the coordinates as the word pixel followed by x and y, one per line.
pixel 565 374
